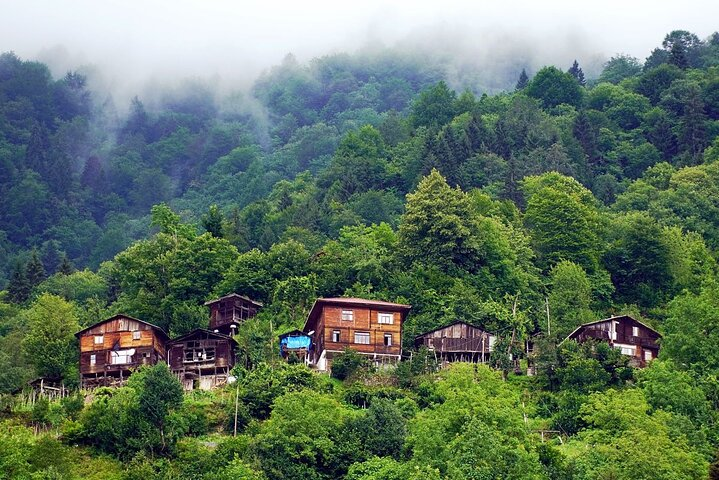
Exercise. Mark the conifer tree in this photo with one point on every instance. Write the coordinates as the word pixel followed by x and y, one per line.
pixel 577 73
pixel 19 287
pixel 35 271
pixel 65 266
pixel 523 80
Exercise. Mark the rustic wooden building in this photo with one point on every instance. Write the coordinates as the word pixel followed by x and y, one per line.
pixel 458 342
pixel 228 312
pixel 202 359
pixel 296 343
pixel 110 349
pixel 370 327
pixel 632 337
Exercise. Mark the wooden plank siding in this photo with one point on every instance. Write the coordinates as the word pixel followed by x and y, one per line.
pixel 118 334
pixel 202 373
pixel 325 319
pixel 458 341
pixel 622 332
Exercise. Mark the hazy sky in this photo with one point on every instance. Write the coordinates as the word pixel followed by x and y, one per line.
pixel 134 41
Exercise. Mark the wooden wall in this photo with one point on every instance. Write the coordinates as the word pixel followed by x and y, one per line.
pixel 365 320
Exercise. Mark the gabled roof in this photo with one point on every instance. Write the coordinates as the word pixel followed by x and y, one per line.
pixel 352 302
pixel 201 330
pixel 616 317
pixel 122 315
pixel 456 322
pixel 234 295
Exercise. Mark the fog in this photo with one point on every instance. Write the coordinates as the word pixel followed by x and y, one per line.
pixel 137 46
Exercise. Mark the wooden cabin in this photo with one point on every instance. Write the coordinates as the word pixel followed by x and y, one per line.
pixel 228 312
pixel 370 327
pixel 112 348
pixel 296 343
pixel 202 359
pixel 634 338
pixel 458 342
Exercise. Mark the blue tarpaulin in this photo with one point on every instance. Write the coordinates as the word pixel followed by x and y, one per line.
pixel 292 342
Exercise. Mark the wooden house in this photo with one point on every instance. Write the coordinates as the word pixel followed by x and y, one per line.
pixel 632 337
pixel 458 341
pixel 296 343
pixel 110 349
pixel 370 327
pixel 202 358
pixel 228 312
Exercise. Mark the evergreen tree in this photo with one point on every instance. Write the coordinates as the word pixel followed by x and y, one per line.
pixel 678 56
pixel 35 271
pixel 523 80
pixel 213 221
pixel 577 73
pixel 19 288
pixel 65 267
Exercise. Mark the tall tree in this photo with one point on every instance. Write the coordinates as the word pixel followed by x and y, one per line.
pixel 577 73
pixel 522 81
pixel 35 270
pixel 19 288
pixel 50 343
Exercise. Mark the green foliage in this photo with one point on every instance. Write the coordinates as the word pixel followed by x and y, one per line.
pixel 348 364
pixel 50 344
pixel 553 87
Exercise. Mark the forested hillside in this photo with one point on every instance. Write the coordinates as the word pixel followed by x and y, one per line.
pixel 563 200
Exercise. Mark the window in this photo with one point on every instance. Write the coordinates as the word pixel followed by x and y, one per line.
pixel 628 351
pixel 335 336
pixel 93 359
pixel 348 315
pixel 387 318
pixel 99 339
pixel 647 355
pixel 387 339
pixel 362 338
pixel 136 335
pixel 635 331
pixel 198 352
pixel 119 357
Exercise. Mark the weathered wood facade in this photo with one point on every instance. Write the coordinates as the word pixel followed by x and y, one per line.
pixel 370 327
pixel 632 337
pixel 110 349
pixel 228 312
pixel 458 341
pixel 295 343
pixel 202 359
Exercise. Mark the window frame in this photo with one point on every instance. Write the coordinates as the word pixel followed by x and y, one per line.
pixel 93 359
pixel 101 339
pixel 387 336
pixel 386 316
pixel 347 315
pixel 363 335
pixel 336 336
pixel 136 334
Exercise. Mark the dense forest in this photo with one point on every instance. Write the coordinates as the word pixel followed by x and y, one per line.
pixel 562 200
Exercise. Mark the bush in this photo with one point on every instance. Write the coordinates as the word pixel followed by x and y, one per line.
pixel 348 364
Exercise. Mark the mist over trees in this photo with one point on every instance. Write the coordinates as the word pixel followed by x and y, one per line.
pixel 563 199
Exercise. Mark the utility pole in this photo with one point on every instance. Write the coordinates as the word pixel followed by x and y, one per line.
pixel 549 325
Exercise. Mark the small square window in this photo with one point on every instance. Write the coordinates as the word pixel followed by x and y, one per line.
pixel 136 335
pixel 362 338
pixel 386 318
pixel 335 336
pixel 387 339
pixel 99 339
pixel 348 315
pixel 93 359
